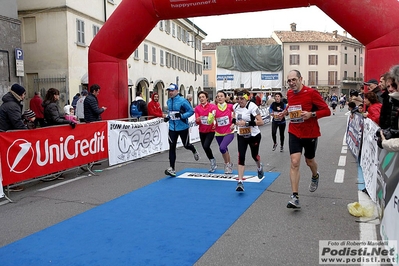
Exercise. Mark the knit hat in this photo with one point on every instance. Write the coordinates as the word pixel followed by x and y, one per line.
pixel 18 89
pixel 28 114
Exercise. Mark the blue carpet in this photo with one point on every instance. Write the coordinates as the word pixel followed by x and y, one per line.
pixel 173 221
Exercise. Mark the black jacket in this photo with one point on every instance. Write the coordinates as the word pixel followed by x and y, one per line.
pixel 52 114
pixel 11 113
pixel 91 110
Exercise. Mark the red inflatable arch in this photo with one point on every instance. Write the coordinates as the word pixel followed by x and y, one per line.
pixel 370 22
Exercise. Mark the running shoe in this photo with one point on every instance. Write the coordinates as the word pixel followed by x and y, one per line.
pixel 228 168
pixel 170 172
pixel 274 146
pixel 213 165
pixel 196 156
pixel 281 148
pixel 260 172
pixel 240 186
pixel 294 203
pixel 314 183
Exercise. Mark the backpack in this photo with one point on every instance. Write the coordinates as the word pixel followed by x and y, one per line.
pixel 135 109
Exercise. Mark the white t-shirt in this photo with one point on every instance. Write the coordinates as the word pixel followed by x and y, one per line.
pixel 245 114
pixel 79 112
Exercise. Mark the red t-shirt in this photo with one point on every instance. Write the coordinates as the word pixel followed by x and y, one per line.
pixel 310 100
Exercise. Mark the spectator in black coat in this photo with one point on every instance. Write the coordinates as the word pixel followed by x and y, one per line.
pixel 11 109
pixel 91 110
pixel 52 113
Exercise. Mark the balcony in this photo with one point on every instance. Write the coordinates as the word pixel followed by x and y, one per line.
pixel 331 83
pixel 209 84
pixel 352 80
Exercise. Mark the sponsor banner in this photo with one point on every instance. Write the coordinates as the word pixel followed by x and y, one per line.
pixel 133 140
pixel 369 158
pixel 354 133
pixel 350 252
pixel 220 177
pixel 27 154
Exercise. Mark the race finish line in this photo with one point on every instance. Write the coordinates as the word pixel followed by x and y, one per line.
pixel 173 221
pixel 218 175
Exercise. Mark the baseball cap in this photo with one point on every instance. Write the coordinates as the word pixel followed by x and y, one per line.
pixel 371 81
pixel 172 87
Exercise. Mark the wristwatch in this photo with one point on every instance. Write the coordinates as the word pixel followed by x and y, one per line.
pixel 313 114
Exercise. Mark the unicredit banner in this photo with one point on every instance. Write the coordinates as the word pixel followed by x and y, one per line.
pixel 26 154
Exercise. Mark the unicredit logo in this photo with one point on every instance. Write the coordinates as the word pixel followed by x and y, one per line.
pixel 20 156
pixel 21 153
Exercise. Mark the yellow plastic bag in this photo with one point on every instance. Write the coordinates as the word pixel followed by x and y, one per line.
pixel 357 210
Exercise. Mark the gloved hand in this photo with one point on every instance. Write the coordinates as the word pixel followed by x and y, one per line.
pixel 72 124
pixel 178 115
pixel 166 119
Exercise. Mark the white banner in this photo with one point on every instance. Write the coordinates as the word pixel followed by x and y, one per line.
pixel 369 158
pixel 128 141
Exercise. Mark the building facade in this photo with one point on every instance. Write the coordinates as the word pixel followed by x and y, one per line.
pixel 56 36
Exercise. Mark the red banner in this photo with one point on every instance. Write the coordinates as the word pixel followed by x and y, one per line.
pixel 26 154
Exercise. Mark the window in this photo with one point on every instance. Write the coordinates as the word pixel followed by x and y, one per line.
pixel 332 60
pixel 161 25
pixel 167 58
pixel 361 61
pixel 345 59
pixel 294 47
pixel 313 47
pixel 183 65
pixel 192 40
pixel 29 30
pixel 355 60
pixel 179 33
pixel 294 59
pixel 173 61
pixel 173 29
pixel 136 54
pixel 346 48
pixel 188 38
pixel 183 35
pixel 313 77
pixel 354 75
pixel 154 55
pixel 206 80
pixel 167 26
pixel 332 47
pixel 145 52
pixel 199 69
pixel 207 62
pixel 95 30
pixel 332 78
pixel 80 28
pixel 313 59
pixel 354 49
pixel 161 57
pixel 345 75
pixel 199 46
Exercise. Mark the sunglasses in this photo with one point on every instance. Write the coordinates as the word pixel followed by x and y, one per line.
pixel 292 80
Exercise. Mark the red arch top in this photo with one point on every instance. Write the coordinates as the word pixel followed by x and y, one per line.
pixel 133 20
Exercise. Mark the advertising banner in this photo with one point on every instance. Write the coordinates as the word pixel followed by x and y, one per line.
pixel 26 154
pixel 354 133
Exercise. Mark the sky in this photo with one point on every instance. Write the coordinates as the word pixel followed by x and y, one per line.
pixel 262 24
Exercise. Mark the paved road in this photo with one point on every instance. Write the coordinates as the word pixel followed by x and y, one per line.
pixel 266 234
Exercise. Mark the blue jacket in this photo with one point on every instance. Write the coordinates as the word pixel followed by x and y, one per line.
pixel 180 105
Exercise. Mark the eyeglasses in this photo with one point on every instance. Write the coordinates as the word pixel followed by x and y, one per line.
pixel 291 80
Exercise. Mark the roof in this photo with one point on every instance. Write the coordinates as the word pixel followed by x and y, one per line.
pixel 313 36
pixel 238 42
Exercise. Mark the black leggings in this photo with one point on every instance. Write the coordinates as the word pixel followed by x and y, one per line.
pixel 281 128
pixel 206 141
pixel 253 143
pixel 173 135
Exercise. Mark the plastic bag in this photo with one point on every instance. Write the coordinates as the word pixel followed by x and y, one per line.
pixel 357 210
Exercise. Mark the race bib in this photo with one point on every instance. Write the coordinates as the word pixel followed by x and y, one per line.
pixel 204 120
pixel 295 113
pixel 222 121
pixel 244 131
pixel 275 117
pixel 172 115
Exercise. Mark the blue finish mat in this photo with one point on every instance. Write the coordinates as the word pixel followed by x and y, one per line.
pixel 173 221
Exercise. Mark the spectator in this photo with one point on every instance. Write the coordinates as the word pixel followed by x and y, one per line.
pixel 354 97
pixel 154 107
pixel 373 86
pixel 11 109
pixel 69 114
pixel 37 107
pixel 52 113
pixel 373 107
pixel 29 119
pixel 138 108
pixel 190 99
pixel 75 100
pixel 360 108
pixel 80 107
pixel 90 105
